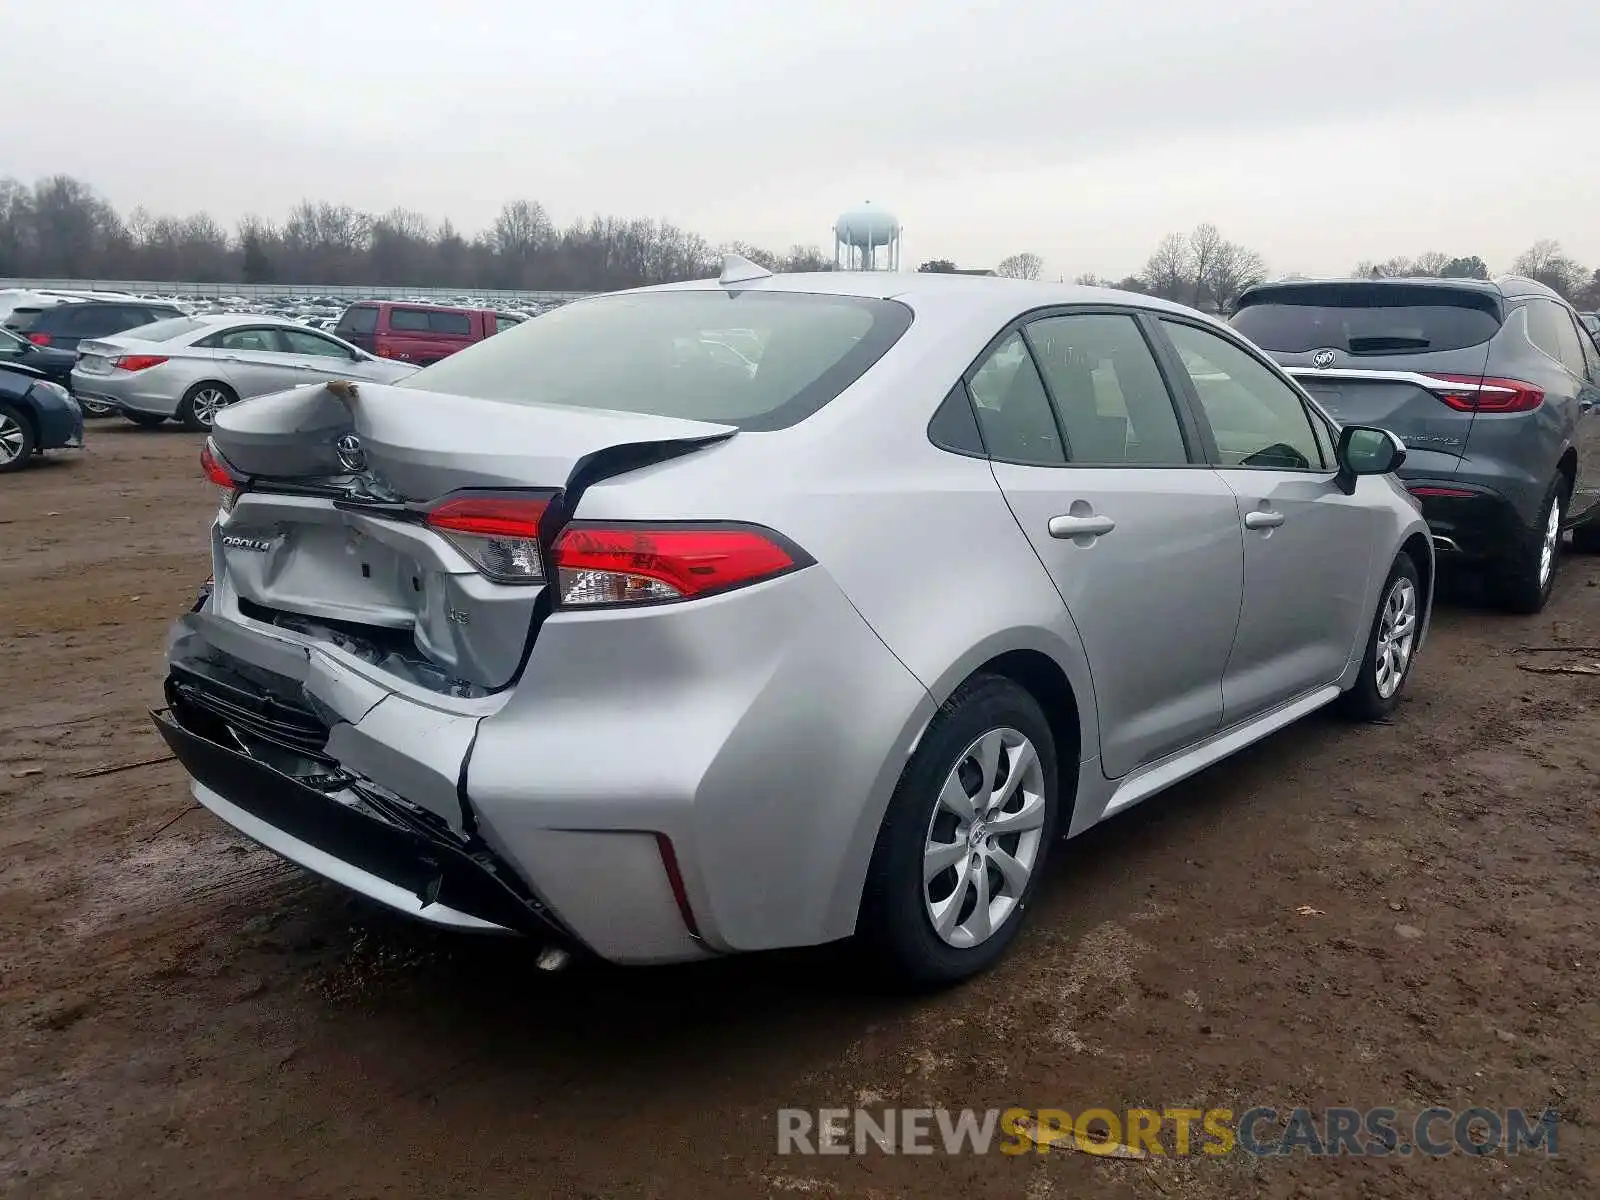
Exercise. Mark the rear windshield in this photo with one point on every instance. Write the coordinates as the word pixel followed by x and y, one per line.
pixel 22 319
pixel 754 360
pixel 358 318
pixel 1368 319
pixel 164 331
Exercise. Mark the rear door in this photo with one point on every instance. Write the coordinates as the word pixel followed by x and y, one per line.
pixel 1384 353
pixel 1581 357
pixel 1139 535
pixel 1308 548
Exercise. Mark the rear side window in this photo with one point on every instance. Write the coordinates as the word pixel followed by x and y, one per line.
pixel 1545 321
pixel 1013 409
pixel 641 352
pixel 1108 390
pixel 1367 319
pixel 100 319
pixel 358 318
pixel 165 331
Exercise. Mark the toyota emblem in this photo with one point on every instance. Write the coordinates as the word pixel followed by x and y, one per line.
pixel 1322 359
pixel 351 456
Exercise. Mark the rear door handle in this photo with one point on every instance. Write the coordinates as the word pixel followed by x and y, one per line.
pixel 1071 527
pixel 1262 519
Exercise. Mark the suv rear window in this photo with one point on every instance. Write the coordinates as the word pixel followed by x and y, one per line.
pixel 358 318
pixel 653 352
pixel 1371 319
pixel 23 319
pixel 430 320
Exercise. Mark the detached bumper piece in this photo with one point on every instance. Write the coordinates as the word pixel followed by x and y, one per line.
pixel 306 808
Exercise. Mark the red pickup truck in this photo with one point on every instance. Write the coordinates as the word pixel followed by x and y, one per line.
pixel 419 333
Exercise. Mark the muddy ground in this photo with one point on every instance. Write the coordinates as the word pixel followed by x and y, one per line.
pixel 1394 915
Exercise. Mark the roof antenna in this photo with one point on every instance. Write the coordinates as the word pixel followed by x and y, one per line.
pixel 738 269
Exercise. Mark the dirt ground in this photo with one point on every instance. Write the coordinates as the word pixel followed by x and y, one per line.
pixel 1397 915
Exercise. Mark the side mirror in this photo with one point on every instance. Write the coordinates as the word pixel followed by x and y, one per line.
pixel 1367 450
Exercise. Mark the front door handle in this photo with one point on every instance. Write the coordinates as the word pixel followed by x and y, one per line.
pixel 1071 527
pixel 1263 519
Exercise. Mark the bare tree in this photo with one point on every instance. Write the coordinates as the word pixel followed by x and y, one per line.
pixel 1205 244
pixel 1231 269
pixel 1430 263
pixel 1546 262
pixel 1169 272
pixel 1026 265
pixel 1089 279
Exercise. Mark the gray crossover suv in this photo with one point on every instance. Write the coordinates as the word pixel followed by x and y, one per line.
pixel 596 634
pixel 1493 387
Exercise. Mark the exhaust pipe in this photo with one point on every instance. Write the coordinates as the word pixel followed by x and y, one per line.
pixel 553 958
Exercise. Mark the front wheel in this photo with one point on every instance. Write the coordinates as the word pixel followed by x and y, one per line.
pixel 16 439
pixel 1391 645
pixel 965 839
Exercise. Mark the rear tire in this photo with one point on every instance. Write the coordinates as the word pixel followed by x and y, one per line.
pixel 1522 583
pixel 1391 646
pixel 202 402
pixel 989 754
pixel 17 442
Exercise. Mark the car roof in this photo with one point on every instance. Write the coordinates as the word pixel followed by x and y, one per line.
pixel 986 296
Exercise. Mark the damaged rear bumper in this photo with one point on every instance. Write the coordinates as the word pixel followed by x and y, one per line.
pixel 338 824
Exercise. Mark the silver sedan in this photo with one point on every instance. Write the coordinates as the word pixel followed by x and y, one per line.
pixel 189 368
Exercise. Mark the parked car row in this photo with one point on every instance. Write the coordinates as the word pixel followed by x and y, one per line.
pixel 887 581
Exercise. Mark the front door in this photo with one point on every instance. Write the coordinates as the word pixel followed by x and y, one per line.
pixel 1308 547
pixel 1141 539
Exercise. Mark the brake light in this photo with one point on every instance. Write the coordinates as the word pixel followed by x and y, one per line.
pixel 39 339
pixel 647 564
pixel 1472 393
pixel 498 534
pixel 218 471
pixel 138 362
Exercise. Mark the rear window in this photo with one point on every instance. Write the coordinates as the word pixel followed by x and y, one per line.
pixel 665 353
pixel 358 318
pixel 165 331
pixel 430 320
pixel 23 319
pixel 1368 319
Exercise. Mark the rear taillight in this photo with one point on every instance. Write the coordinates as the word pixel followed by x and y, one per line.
pixel 1473 393
pixel 601 565
pixel 138 362
pixel 39 339
pixel 218 471
pixel 498 534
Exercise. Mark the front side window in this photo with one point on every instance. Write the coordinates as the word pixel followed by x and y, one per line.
pixel 1108 390
pixel 296 341
pixel 1257 419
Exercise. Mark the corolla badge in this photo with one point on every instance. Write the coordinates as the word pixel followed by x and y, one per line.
pixel 351 456
pixel 1322 359
pixel 234 542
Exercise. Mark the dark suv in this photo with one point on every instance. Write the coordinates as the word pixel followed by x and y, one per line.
pixel 61 327
pixel 1493 387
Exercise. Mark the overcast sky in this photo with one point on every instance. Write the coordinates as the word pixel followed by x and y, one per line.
pixel 1317 133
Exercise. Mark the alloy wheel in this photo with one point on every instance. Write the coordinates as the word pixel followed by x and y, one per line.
pixel 984 838
pixel 207 403
pixel 12 440
pixel 1397 637
pixel 1551 541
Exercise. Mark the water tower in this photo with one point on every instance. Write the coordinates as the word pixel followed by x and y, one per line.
pixel 859 235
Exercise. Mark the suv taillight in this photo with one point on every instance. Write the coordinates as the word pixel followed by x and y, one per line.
pixel 607 565
pixel 498 534
pixel 1483 394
